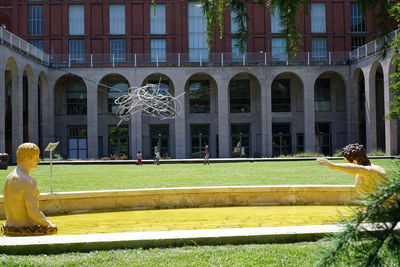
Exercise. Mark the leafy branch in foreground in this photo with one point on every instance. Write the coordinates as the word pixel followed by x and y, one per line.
pixel 369 237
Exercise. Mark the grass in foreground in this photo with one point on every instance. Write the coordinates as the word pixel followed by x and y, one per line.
pixel 299 254
pixel 108 177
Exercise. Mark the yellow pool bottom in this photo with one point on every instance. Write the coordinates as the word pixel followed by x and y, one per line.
pixel 197 218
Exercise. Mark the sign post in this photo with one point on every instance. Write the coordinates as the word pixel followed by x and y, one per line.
pixel 50 147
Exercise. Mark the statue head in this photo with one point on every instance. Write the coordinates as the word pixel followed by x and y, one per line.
pixel 356 153
pixel 28 155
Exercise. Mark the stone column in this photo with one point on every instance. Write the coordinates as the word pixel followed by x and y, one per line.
pixel 92 122
pixel 390 125
pixel 370 111
pixel 180 121
pixel 309 114
pixel 136 134
pixel 266 117
pixel 2 111
pixel 17 111
pixel 223 117
pixel 33 108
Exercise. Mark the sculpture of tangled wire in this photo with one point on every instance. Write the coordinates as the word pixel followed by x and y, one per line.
pixel 149 100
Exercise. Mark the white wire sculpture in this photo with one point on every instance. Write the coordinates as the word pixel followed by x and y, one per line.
pixel 149 100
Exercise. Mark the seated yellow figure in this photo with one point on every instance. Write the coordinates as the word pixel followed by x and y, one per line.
pixel 21 197
pixel 367 175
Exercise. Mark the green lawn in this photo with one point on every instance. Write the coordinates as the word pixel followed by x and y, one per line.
pixel 299 254
pixel 103 177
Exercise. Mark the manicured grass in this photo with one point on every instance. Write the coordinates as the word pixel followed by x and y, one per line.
pixel 299 254
pixel 107 177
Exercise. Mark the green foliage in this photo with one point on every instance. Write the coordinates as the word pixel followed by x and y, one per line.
pixel 56 157
pixel 303 155
pixel 377 152
pixel 376 243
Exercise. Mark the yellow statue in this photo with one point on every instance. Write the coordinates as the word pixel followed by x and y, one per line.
pixel 367 175
pixel 21 197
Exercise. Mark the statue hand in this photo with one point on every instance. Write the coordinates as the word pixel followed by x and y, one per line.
pixel 324 162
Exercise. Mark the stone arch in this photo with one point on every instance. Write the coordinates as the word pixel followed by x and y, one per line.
pixel 376 85
pixel 358 87
pixel 330 112
pixel 110 87
pixel 287 107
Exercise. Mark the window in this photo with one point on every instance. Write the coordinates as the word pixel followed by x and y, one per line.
pixel 117 50
pixel 35 20
pixel 300 142
pixel 157 19
pixel 240 137
pixel 118 141
pixel 76 20
pixel 199 96
pixel 236 54
pixel 164 86
pixel 356 17
pixel 280 95
pixel 76 50
pixel 159 137
pixel 77 142
pixel 199 134
pixel 323 138
pixel 117 19
pixel 357 41
pixel 318 20
pixel 281 139
pixel 198 48
pixel 235 25
pixel 118 88
pixel 158 50
pixel 318 46
pixel 276 24
pixel 279 49
pixel 37 43
pixel 239 96
pixel 322 95
pixel 76 97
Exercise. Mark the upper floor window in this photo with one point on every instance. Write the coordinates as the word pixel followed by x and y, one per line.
pixel 236 54
pixel 198 48
pixel 117 19
pixel 157 19
pixel 235 23
pixel 76 19
pixel 158 50
pixel 318 19
pixel 279 49
pixel 318 47
pixel 76 50
pixel 357 19
pixel 38 43
pixel 357 41
pixel 276 23
pixel 117 50
pixel 35 20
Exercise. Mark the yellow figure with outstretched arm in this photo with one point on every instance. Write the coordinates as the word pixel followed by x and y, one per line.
pixel 21 197
pixel 367 175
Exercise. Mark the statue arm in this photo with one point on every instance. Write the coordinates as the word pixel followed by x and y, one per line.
pixel 349 168
pixel 32 206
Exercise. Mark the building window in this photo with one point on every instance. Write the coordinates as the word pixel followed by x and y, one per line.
pixel 279 49
pixel 76 98
pixel 77 51
pixel 357 41
pixel 280 95
pixel 117 19
pixel 322 95
pixel 118 141
pixel 239 96
pixel 163 87
pixel 157 19
pixel 281 139
pixel 76 19
pixel 198 48
pixel 115 90
pixel 37 43
pixel 35 20
pixel 300 142
pixel 117 50
pixel 77 142
pixel 356 17
pixel 159 137
pixel 199 134
pixel 240 137
pixel 158 50
pixel 235 23
pixel 199 96
pixel 318 19
pixel 236 54
pixel 318 48
pixel 276 23
pixel 323 138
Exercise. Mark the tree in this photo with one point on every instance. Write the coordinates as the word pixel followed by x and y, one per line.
pixel 395 77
